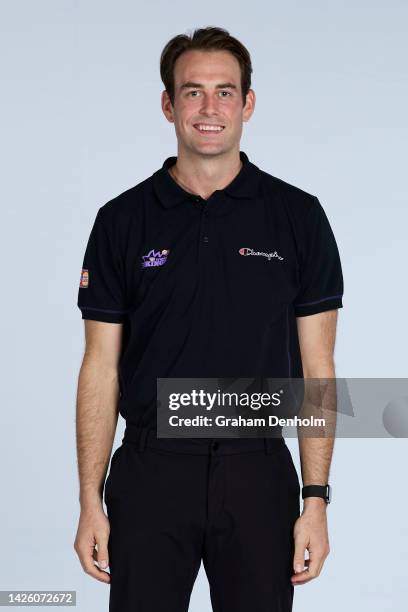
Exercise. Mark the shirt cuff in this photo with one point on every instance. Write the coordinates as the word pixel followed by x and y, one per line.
pixel 331 302
pixel 101 314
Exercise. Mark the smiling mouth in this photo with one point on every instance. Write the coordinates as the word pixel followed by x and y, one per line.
pixel 205 128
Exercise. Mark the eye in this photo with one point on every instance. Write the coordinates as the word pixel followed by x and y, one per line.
pixel 225 92
pixel 193 92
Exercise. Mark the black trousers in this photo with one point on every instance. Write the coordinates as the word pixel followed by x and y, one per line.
pixel 231 503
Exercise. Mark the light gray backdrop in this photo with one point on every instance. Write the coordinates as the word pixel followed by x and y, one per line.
pixel 81 123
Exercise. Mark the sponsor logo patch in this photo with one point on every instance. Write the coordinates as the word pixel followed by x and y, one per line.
pixel 246 251
pixel 155 258
pixel 84 280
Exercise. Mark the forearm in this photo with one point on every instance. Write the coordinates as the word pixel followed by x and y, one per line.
pixel 316 455
pixel 96 420
pixel 316 450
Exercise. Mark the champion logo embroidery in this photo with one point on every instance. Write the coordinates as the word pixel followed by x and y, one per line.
pixel 155 258
pixel 84 280
pixel 246 251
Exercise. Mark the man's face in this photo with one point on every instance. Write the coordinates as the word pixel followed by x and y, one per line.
pixel 208 95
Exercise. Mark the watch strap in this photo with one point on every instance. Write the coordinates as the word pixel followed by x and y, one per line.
pixel 317 491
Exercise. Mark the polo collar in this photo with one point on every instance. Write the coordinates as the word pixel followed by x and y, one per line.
pixel 170 193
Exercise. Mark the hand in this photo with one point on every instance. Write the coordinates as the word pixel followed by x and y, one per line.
pixel 93 530
pixel 310 532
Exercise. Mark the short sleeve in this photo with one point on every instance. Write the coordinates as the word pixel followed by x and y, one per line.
pixel 101 295
pixel 321 277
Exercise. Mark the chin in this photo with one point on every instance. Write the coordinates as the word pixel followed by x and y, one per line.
pixel 211 152
pixel 210 148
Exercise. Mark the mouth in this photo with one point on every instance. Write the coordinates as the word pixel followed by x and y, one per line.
pixel 209 129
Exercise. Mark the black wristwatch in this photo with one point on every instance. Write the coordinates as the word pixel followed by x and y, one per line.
pixel 324 491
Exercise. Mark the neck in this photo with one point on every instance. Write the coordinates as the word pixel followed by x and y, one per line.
pixel 202 175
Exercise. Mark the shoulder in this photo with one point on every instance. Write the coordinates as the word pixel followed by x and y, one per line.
pixel 295 200
pixel 127 205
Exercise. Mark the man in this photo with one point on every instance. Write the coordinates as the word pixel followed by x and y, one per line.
pixel 208 268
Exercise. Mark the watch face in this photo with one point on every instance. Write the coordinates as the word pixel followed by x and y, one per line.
pixel 329 494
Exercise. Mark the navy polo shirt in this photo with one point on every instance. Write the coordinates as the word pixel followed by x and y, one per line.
pixel 208 288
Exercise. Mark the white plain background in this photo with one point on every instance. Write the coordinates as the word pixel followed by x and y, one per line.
pixel 81 123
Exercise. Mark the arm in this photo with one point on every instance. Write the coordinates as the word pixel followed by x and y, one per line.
pixel 96 419
pixel 317 335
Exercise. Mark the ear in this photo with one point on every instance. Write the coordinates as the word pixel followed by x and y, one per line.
pixel 249 107
pixel 167 107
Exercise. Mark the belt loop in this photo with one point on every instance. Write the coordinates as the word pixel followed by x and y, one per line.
pixel 142 439
pixel 273 445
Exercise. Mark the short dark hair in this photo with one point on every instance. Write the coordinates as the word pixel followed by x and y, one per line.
pixel 204 39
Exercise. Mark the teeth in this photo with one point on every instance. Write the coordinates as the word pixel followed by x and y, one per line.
pixel 210 128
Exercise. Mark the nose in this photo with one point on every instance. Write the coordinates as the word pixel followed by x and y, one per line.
pixel 209 105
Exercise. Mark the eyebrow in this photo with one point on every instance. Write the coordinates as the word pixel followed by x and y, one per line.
pixel 191 84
